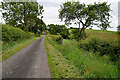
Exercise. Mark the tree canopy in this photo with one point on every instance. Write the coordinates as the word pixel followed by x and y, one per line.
pixel 61 29
pixel 87 15
pixel 22 13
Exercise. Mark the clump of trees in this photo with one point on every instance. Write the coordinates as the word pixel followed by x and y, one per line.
pixel 61 29
pixel 25 15
pixel 85 15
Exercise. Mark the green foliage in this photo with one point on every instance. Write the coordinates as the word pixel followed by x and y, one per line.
pixel 59 39
pixel 23 15
pixel 0 31
pixel 13 34
pixel 61 29
pixel 10 48
pixel 52 29
pixel 118 29
pixel 89 65
pixel 87 15
pixel 77 35
pixel 58 65
pixel 38 27
pixel 46 32
pixel 104 43
pixel 103 47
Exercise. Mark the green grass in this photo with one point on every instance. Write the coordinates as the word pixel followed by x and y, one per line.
pixel 110 36
pixel 59 66
pixel 10 48
pixel 89 65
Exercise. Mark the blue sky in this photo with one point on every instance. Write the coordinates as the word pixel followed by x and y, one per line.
pixel 51 13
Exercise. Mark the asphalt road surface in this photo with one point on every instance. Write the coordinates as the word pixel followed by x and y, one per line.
pixel 30 62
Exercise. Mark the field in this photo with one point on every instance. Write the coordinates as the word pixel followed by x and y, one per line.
pixel 88 63
pixel 109 36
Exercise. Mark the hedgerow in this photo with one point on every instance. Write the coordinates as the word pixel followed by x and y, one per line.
pixel 10 33
pixel 103 48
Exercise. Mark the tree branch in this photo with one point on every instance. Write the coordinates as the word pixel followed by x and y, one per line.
pixel 87 21
pixel 79 19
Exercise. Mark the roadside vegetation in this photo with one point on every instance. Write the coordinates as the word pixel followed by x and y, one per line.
pixel 95 53
pixel 14 39
pixel 24 15
pixel 89 63
pixel 87 15
pixel 10 48
pixel 22 25
pixel 71 52
pixel 58 65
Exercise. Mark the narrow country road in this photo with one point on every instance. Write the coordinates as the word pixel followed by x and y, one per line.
pixel 30 62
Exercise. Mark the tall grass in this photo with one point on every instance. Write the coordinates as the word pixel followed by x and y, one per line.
pixel 109 36
pixel 10 48
pixel 58 65
pixel 90 65
pixel 14 39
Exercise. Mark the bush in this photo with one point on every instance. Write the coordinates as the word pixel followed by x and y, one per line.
pixel 59 39
pixel 61 29
pixel 76 34
pixel 13 34
pixel 102 47
pixel 89 65
pixel 65 33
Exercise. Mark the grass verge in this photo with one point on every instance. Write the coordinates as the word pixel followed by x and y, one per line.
pixel 59 66
pixel 89 65
pixel 8 49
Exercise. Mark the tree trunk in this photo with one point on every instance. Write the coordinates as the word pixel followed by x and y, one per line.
pixel 31 28
pixel 79 26
pixel 36 27
pixel 82 33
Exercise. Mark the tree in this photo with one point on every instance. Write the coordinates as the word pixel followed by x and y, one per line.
pixel 39 24
pixel 87 15
pixel 118 29
pixel 21 13
pixel 54 29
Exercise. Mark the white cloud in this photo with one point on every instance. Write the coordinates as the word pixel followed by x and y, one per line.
pixel 51 13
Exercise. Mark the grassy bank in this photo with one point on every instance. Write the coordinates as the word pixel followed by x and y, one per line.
pixel 14 39
pixel 89 65
pixel 10 48
pixel 58 65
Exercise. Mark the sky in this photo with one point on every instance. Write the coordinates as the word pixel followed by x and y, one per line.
pixel 51 12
